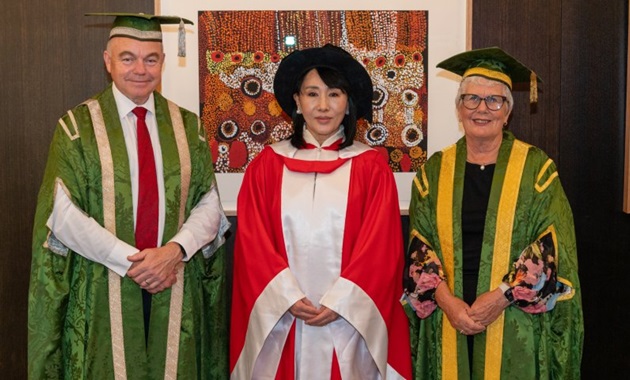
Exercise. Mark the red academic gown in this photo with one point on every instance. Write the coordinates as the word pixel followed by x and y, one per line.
pixel 370 339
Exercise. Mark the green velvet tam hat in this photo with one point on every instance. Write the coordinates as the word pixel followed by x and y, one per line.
pixel 145 27
pixel 493 63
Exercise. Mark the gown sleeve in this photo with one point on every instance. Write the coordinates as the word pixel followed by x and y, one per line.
pixel 425 274
pixel 533 278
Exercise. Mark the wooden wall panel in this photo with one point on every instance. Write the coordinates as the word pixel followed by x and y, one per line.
pixel 529 31
pixel 592 135
pixel 51 61
pixel 580 50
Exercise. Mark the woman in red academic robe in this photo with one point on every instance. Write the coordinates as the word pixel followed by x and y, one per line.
pixel 319 256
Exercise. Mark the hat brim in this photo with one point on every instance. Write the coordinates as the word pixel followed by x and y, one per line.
pixel 299 62
pixel 160 19
pixel 493 59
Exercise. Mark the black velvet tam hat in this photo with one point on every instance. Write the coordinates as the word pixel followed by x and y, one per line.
pixel 299 62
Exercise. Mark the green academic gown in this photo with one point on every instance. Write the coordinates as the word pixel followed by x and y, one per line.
pixel 85 321
pixel 526 201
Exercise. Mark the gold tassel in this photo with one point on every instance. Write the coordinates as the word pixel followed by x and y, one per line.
pixel 181 42
pixel 533 88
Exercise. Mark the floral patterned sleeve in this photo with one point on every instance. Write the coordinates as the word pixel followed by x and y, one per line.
pixel 533 279
pixel 425 274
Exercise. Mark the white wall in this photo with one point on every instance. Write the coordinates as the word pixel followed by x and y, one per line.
pixel 447 36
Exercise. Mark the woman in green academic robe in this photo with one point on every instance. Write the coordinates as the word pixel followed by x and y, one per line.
pixel 492 287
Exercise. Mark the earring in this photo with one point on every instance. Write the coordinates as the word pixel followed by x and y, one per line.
pixel 347 112
pixel 298 111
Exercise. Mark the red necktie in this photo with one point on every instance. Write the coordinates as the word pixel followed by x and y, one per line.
pixel 147 214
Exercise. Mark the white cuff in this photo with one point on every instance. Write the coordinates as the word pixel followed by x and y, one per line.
pixel 117 259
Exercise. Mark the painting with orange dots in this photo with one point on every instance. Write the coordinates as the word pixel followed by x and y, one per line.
pixel 239 53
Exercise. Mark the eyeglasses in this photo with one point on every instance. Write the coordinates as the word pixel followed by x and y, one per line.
pixel 493 102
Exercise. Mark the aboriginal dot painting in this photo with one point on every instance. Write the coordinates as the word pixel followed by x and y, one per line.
pixel 239 53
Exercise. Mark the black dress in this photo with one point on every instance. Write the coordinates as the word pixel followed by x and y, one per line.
pixel 477 185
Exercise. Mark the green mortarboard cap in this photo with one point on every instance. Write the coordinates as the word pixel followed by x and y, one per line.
pixel 145 27
pixel 493 63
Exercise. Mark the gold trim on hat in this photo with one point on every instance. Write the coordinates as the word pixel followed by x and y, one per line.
pixel 489 74
pixel 125 31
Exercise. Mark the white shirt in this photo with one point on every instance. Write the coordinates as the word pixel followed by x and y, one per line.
pixel 84 235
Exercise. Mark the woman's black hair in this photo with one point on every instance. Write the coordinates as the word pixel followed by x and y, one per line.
pixel 333 79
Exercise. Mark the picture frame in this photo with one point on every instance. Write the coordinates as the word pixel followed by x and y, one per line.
pixel 449 33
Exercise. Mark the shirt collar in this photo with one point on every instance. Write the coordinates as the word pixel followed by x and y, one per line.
pixel 125 105
pixel 308 137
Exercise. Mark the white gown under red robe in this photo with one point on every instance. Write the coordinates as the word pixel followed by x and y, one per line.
pixel 322 224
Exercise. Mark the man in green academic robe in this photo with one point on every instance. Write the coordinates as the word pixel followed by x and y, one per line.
pixel 101 307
